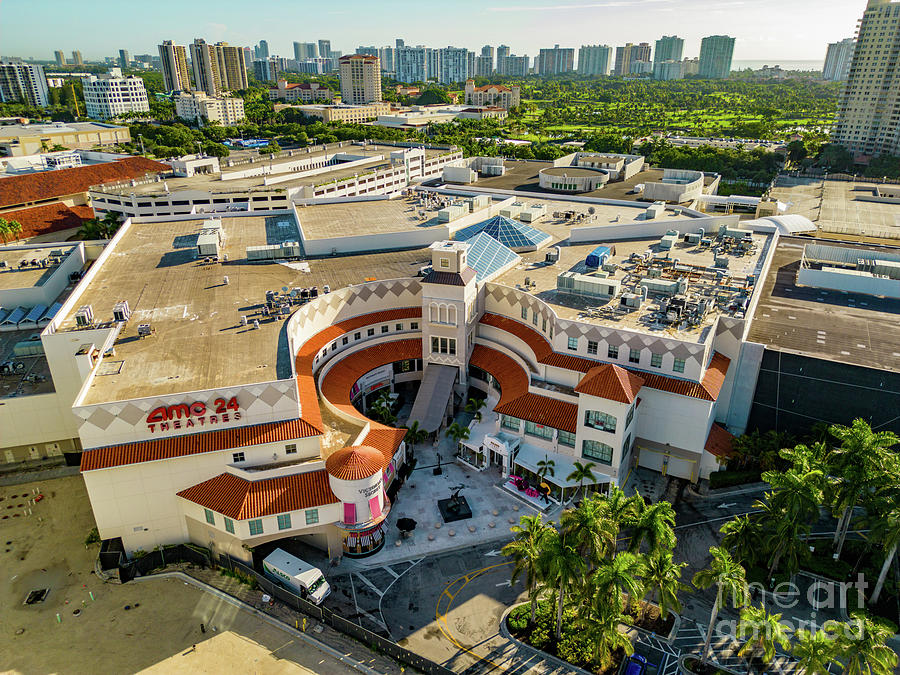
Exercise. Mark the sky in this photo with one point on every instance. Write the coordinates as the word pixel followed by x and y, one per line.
pixel 768 30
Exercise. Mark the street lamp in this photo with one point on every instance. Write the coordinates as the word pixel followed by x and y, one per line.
pixel 141 138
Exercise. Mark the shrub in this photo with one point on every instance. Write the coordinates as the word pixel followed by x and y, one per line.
pixel 518 618
pixel 93 537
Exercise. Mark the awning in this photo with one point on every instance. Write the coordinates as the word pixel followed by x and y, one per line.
pixel 434 394
pixel 529 456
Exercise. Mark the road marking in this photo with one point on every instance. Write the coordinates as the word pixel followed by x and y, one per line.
pixel 391 572
pixel 492 554
pixel 368 583
pixel 504 583
pixel 727 506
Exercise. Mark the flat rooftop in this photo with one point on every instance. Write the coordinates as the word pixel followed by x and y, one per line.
pixel 522 176
pixel 198 341
pixel 31 374
pixel 379 154
pixel 17 130
pixel 838 326
pixel 607 312
pixel 12 275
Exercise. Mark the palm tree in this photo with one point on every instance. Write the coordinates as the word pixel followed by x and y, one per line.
pixel 858 463
pixel 381 409
pixel 731 584
pixel 815 651
pixel 546 467
pixel 457 432
pixel 783 535
pixel 525 550
pixel 886 529
pixel 589 530
pixel 662 575
pixel 581 473
pixel 562 567
pixel 618 577
pixel 4 229
pixel 654 524
pixel 863 650
pixel 798 493
pixel 604 624
pixel 762 633
pixel 14 228
pixel 415 434
pixel 474 406
pixel 741 537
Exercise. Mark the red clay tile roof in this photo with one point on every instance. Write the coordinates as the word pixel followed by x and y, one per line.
pixel 719 442
pixel 610 382
pixel 49 218
pixel 34 187
pixel 516 400
pixel 354 463
pixel 193 444
pixel 707 389
pixel 240 499
pixel 337 383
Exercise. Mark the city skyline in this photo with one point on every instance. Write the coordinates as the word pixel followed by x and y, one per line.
pixel 527 26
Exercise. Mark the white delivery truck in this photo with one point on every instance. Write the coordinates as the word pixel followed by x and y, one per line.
pixel 297 575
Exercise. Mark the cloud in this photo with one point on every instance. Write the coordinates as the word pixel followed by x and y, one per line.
pixel 586 5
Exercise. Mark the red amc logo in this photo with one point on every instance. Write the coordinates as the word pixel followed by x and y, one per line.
pixel 187 415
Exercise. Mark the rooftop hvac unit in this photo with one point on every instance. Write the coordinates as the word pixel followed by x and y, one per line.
pixel 121 311
pixel 144 330
pixel 84 316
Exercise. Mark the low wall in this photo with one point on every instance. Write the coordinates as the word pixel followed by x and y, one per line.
pixel 648 228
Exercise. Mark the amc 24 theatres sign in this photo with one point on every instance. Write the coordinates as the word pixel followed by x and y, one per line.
pixel 196 414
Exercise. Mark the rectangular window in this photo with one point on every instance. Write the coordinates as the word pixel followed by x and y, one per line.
pixel 370 332
pixel 634 356
pixel 210 517
pixel 612 352
pixel 334 345
pixel 630 416
pixel 357 335
pixel 597 450
pixel 592 347
pixel 414 325
pixel 538 430
pixel 290 449
pixel 256 527
pixel 534 318
pixel 596 419
pixel 544 324
pixel 349 513
pixel 434 345
pixel 443 345
pixel 566 438
pixel 511 423
pixel 374 506
pixel 284 521
pixel 678 366
pixel 445 262
pixel 229 525
pixel 573 344
pixel 655 360
pixel 525 313
pixel 312 516
pixel 398 327
pixel 452 347
pixel 385 329
pixel 237 457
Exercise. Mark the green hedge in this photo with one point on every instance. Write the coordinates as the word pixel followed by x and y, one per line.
pixel 720 479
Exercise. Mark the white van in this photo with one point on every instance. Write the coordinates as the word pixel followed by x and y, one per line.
pixel 298 575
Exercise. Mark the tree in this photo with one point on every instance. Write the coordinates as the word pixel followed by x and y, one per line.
pixel 457 432
pixel 525 551
pixel 271 148
pixel 581 473
pixel 859 463
pixel 741 537
pixel 562 567
pixel 14 228
pixel 762 633
pixel 589 530
pixel 618 577
pixel 653 524
pixel 4 230
pixel 863 650
pixel 663 577
pixel 474 406
pixel 381 408
pixel 886 530
pixel 783 535
pixel 799 493
pixel 815 651
pixel 731 584
pixel 415 434
pixel 546 467
pixel 603 622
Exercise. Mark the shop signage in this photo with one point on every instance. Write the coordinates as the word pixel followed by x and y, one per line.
pixel 196 414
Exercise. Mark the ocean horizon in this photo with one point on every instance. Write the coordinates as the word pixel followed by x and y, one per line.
pixel 786 64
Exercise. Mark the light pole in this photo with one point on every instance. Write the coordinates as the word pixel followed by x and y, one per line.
pixel 141 138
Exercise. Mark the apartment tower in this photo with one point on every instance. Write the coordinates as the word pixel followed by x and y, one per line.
pixel 173 61
pixel 360 79
pixel 715 57
pixel 837 60
pixel 594 59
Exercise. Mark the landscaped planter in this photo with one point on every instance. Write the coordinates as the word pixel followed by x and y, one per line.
pixel 688 665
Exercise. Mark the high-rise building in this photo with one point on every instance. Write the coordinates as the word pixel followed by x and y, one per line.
pixel 668 70
pixel 306 50
pixel 232 68
pixel 668 48
pixel 555 61
pixel 23 83
pixel 367 51
pixel 386 56
pixel 837 60
pixel 76 58
pixel 512 65
pixel 60 57
pixel 715 57
pixel 630 52
pixel 502 52
pixel 325 49
pixel 198 106
pixel 484 63
pixel 218 68
pixel 399 42
pixel 412 63
pixel 248 59
pixel 267 70
pixel 261 51
pixel 690 66
pixel 594 59
pixel 124 59
pixel 360 79
pixel 173 62
pixel 870 103
pixel 113 94
pixel 456 64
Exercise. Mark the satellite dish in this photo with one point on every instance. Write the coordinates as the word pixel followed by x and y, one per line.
pixel 592 210
pixel 284 289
